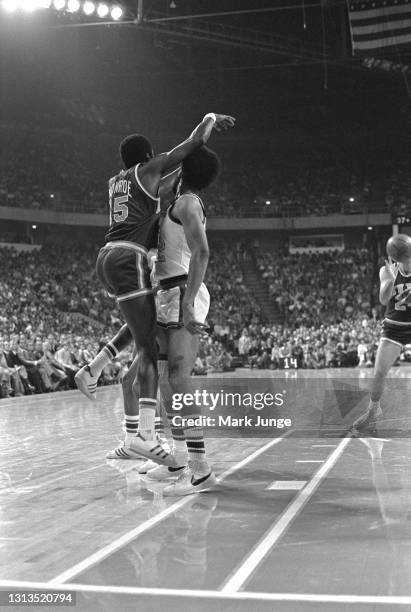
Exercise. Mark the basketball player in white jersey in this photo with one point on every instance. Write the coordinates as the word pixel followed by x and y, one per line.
pixel 182 307
pixel 395 294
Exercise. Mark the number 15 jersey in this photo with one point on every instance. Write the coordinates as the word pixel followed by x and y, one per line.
pixel 134 213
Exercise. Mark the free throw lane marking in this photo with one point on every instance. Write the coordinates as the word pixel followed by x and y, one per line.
pixel 286 485
pixel 253 560
pixel 106 551
pixel 203 594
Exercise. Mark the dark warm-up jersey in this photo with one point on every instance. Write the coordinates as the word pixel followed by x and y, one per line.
pixel 134 213
pixel 399 314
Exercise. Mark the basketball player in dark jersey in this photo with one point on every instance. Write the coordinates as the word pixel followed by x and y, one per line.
pixel 122 263
pixel 395 294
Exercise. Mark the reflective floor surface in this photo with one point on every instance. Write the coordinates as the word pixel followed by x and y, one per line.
pixel 301 519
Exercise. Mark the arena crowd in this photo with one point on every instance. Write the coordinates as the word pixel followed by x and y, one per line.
pixel 54 315
pixel 39 169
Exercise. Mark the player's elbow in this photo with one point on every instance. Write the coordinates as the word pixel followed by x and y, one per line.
pixel 202 252
pixel 205 253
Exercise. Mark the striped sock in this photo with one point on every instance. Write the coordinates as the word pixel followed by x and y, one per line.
pixel 131 426
pixel 177 433
pixel 159 426
pixel 147 411
pixel 162 364
pixel 103 358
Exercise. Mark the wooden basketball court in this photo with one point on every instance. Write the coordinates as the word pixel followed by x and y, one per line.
pixel 297 522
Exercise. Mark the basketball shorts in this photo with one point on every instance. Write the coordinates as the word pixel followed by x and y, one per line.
pixel 122 268
pixel 170 297
pixel 399 334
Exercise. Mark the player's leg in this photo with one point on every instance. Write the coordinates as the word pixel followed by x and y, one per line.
pixel 131 418
pixel 182 351
pixel 124 273
pixel 177 433
pixel 135 311
pixel 179 448
pixel 131 421
pixel 87 377
pixel 139 312
pixel 116 269
pixel 387 353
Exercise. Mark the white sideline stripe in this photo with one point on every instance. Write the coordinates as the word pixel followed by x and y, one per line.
pixel 131 535
pixel 286 485
pixel 203 594
pixel 252 561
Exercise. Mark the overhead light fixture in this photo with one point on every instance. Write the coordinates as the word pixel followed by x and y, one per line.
pixel 116 13
pixel 73 6
pixel 102 10
pixel 89 8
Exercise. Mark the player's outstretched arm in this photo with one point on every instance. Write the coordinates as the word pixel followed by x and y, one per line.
pixel 387 280
pixel 150 173
pixel 189 211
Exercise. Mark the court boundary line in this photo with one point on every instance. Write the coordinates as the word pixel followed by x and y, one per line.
pixel 129 536
pixel 245 570
pixel 204 594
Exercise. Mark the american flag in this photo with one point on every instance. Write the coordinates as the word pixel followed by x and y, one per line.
pixel 380 27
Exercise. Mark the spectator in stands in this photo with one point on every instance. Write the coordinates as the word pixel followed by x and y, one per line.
pixel 65 360
pixel 5 374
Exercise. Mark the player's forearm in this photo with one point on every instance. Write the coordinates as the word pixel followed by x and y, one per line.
pixel 198 137
pixel 196 273
pixel 202 132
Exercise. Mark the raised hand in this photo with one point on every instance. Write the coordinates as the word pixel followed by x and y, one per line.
pixel 390 269
pixel 223 122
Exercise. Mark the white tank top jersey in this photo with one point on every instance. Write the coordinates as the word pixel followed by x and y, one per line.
pixel 174 254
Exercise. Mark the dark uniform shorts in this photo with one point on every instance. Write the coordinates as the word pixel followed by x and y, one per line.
pixel 122 268
pixel 399 334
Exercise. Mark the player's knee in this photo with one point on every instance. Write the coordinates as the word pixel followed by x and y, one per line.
pixel 148 356
pixel 147 367
pixel 176 379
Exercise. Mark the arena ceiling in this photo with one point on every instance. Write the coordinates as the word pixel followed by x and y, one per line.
pixel 291 32
pixel 275 63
